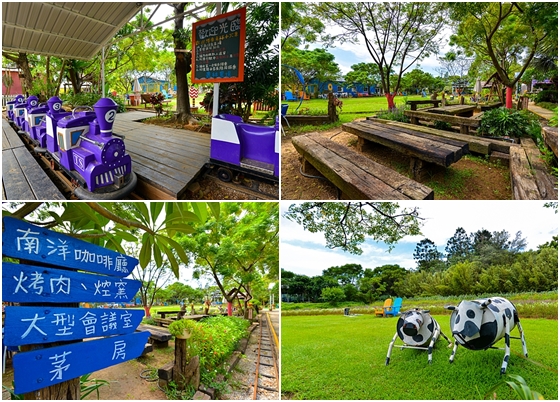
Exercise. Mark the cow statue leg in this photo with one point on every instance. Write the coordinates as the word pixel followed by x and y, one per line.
pixel 431 345
pixel 506 356
pixel 452 357
pixel 391 348
pixel 522 336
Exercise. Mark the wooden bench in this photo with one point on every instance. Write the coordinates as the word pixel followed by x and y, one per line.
pixel 479 145
pixel 356 176
pixel 414 104
pixel 22 176
pixel 530 179
pixel 550 137
pixel 464 123
pixel 159 337
pixel 164 322
pixel 454 110
pixel 420 147
pixel 489 106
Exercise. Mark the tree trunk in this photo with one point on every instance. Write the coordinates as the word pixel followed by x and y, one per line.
pixel 183 59
pixel 147 310
pixel 390 100
pixel 509 97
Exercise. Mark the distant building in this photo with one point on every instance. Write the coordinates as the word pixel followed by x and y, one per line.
pixel 16 87
pixel 150 85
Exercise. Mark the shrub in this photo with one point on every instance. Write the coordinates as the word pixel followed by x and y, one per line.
pixel 397 114
pixel 548 95
pixel 214 339
pixel 89 99
pixel 502 122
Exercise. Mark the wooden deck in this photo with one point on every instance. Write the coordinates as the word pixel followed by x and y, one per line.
pixel 166 160
pixel 22 176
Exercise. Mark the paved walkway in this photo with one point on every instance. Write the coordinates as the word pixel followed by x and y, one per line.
pixel 540 111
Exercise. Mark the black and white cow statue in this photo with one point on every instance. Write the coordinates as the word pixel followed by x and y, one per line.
pixel 418 330
pixel 479 324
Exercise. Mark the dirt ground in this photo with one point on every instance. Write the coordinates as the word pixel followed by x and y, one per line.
pixel 468 179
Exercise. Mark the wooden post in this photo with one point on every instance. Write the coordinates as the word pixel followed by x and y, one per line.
pixel 186 370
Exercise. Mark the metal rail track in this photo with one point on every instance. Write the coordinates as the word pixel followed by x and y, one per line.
pixel 266 368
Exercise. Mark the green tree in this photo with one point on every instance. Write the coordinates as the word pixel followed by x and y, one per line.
pixel 458 247
pixel 346 225
pixel 383 281
pixel 507 35
pixel 416 81
pixel 363 73
pixel 427 256
pixel 348 274
pixel 396 35
pixel 333 295
pixel 312 64
pixel 297 27
pixel 236 248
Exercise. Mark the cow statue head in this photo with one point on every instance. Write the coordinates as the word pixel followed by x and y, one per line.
pixel 479 324
pixel 418 330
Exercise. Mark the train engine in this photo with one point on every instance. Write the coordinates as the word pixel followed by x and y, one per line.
pixel 20 110
pixel 244 147
pixel 92 155
pixel 45 135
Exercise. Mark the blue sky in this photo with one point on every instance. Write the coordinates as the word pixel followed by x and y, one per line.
pixel 305 253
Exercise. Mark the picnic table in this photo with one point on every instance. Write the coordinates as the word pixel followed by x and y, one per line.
pixel 162 314
pixel 423 148
pixel 414 103
pixel 454 110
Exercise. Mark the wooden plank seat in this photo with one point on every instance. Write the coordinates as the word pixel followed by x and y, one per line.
pixel 455 110
pixel 530 179
pixel 421 147
pixel 164 322
pixel 159 337
pixel 464 123
pixel 550 137
pixel 22 176
pixel 414 103
pixel 355 175
pixel 479 145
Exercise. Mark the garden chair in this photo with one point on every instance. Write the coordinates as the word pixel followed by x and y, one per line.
pixel 283 113
pixel 290 96
pixel 381 311
pixel 394 310
pixel 164 93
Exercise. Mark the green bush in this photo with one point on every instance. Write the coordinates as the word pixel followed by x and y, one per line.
pixel 502 122
pixel 89 99
pixel 396 114
pixel 214 339
pixel 548 95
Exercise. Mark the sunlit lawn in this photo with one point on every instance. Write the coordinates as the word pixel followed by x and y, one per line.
pixel 338 357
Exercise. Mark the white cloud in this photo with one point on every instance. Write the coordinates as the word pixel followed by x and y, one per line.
pixel 304 253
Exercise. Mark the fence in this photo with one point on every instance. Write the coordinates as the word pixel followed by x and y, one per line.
pixel 6 99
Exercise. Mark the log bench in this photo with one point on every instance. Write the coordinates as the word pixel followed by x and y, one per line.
pixel 479 145
pixel 464 123
pixel 414 104
pixel 355 175
pixel 550 137
pixel 530 179
pixel 22 176
pixel 159 337
pixel 422 148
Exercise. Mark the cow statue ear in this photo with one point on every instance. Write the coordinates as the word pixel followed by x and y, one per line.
pixel 450 307
pixel 486 303
pixel 425 311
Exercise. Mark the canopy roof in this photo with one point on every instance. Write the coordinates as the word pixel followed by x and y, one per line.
pixel 66 30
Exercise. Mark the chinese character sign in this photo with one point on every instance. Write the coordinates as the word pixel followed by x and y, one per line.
pixel 33 325
pixel 28 283
pixel 41 368
pixel 219 48
pixel 25 241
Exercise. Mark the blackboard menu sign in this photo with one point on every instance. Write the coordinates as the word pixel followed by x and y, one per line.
pixel 219 48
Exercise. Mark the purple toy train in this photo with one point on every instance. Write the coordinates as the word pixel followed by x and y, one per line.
pixel 243 147
pixel 11 105
pixel 83 144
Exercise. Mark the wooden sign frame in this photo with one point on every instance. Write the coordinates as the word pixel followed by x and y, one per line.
pixel 197 43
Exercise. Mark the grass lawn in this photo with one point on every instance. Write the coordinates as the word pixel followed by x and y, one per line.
pixel 336 357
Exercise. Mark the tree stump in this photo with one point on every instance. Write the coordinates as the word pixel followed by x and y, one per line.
pixel 186 369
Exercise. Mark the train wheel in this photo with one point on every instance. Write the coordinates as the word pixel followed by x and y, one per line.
pixel 224 174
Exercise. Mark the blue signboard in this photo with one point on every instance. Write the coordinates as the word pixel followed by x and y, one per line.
pixel 32 325
pixel 27 283
pixel 25 241
pixel 41 368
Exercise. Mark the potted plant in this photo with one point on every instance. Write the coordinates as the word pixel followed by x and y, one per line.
pixel 182 329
